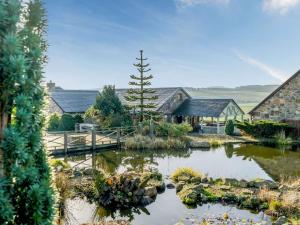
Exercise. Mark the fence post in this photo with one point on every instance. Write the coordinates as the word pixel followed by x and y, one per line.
pixel 151 129
pixel 93 139
pixel 118 137
pixel 66 142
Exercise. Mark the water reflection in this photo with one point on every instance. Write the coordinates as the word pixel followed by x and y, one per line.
pixel 235 161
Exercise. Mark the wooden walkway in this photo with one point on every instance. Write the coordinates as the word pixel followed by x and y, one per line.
pixel 63 143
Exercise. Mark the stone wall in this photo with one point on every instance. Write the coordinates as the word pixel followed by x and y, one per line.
pixel 53 107
pixel 283 105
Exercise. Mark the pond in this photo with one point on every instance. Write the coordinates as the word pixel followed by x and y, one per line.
pixel 232 161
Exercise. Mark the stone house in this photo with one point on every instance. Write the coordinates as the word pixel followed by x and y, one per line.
pixel 281 105
pixel 174 103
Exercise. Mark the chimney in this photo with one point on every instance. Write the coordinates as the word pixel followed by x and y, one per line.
pixel 50 86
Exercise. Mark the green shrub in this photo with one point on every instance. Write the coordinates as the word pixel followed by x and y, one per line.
pixel 165 129
pixel 53 123
pixel 264 128
pixel 78 118
pixel 187 172
pixel 229 127
pixel 67 123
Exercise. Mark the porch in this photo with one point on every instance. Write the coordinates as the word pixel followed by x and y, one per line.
pixel 207 116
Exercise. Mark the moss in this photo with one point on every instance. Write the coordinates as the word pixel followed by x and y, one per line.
pixel 190 194
pixel 211 197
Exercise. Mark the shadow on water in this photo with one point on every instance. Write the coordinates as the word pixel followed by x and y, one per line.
pixel 235 161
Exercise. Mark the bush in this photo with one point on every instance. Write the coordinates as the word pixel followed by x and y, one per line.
pixel 264 128
pixel 229 127
pixel 78 118
pixel 53 123
pixel 185 172
pixel 92 115
pixel 140 142
pixel 173 130
pixel 67 123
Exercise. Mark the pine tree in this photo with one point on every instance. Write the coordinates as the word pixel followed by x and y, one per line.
pixel 27 175
pixel 141 96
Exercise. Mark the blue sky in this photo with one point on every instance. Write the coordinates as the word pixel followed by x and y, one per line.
pixel 194 43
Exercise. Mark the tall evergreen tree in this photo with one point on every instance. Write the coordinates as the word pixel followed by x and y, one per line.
pixel 140 96
pixel 27 174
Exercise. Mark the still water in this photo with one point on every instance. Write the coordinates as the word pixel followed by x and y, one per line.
pixel 233 161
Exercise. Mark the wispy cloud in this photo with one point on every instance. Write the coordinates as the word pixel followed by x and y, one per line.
pixel 186 3
pixel 279 75
pixel 280 6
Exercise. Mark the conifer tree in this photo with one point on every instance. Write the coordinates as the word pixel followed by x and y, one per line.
pixel 141 96
pixel 27 175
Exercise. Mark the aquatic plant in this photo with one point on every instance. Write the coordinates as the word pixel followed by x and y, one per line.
pixel 282 140
pixel 140 142
pixel 215 143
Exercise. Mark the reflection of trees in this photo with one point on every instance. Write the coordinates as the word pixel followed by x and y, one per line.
pixel 101 213
pixel 111 161
pixel 229 149
pixel 278 163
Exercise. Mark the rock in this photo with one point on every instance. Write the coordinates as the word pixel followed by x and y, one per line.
pixel 88 172
pixel 196 180
pixel 150 192
pixel 170 186
pixel 59 168
pixel 146 200
pixel 230 181
pixel 190 194
pixel 159 185
pixel 205 180
pixel 224 188
pixel 179 186
pixel 183 178
pixel 199 144
pixel 77 173
pixel 205 185
pixel 259 183
pixel 247 192
pixel 281 220
pixel 243 183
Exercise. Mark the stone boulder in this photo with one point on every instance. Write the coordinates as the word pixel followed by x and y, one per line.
pixel 260 183
pixel 179 186
pixel 199 144
pixel 150 192
pixel 191 194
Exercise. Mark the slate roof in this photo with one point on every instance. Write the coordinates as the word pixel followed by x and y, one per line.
pixel 203 107
pixel 74 101
pixel 163 95
pixel 78 101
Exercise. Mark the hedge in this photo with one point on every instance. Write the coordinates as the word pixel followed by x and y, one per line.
pixel 264 128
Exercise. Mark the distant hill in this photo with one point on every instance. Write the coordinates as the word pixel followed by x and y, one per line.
pixel 242 94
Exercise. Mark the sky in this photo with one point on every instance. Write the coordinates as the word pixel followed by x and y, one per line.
pixel 188 43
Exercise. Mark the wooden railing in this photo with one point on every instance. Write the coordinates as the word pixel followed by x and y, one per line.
pixel 68 142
